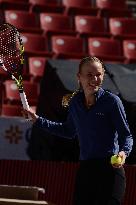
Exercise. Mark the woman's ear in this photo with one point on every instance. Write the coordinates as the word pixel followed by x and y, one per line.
pixel 78 76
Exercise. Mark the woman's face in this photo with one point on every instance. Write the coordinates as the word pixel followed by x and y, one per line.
pixel 91 76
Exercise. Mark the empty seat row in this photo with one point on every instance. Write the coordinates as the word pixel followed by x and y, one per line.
pixel 115 27
pixel 86 4
pixel 72 7
pixel 69 47
pixel 51 23
pixel 14 4
pixel 13 110
pixel 72 47
pixel 63 46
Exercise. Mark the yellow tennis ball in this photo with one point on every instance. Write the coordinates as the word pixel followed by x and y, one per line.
pixel 115 159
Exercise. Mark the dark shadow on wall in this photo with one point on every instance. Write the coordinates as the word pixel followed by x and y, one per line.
pixel 42 145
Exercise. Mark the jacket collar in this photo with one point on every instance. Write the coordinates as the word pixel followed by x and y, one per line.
pixel 99 93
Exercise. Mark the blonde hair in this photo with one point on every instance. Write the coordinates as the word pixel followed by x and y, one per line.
pixel 91 60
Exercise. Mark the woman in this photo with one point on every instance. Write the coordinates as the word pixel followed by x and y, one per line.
pixel 98 118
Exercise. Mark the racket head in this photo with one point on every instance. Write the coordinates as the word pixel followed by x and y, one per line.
pixel 11 49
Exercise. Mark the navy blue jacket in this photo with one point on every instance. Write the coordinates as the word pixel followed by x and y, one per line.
pixel 102 130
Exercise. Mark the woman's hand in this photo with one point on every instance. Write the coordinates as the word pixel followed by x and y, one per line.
pixel 30 115
pixel 123 157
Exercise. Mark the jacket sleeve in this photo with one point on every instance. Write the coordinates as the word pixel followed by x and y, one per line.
pixel 125 139
pixel 66 129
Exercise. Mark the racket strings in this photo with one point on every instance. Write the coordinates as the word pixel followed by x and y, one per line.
pixel 10 48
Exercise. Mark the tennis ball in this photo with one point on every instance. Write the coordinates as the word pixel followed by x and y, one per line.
pixel 116 159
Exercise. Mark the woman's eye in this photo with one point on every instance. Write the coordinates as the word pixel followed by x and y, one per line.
pixel 89 75
pixel 98 75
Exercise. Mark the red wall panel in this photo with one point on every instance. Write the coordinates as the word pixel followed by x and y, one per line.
pixel 56 177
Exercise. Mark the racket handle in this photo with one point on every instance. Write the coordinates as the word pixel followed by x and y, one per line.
pixel 24 100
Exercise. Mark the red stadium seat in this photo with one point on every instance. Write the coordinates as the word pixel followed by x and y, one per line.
pixel 106 49
pixel 125 28
pixel 24 21
pixel 11 110
pixel 3 74
pixel 37 67
pixel 67 47
pixel 46 6
pixel 35 45
pixel 111 4
pixel 129 48
pixel 12 93
pixel 2 18
pixel 91 26
pixel 15 1
pixel 74 7
pixel 14 4
pixel 113 8
pixel 53 23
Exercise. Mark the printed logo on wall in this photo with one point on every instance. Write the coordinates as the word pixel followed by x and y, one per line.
pixel 13 134
pixel 14 138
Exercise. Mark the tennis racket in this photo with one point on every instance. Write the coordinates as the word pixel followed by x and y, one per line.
pixel 12 57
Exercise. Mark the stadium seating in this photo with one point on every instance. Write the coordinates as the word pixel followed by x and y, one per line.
pixel 46 6
pixel 53 23
pixel 112 4
pixel 129 48
pixel 91 26
pixel 61 33
pixel 12 93
pixel 74 7
pixel 24 21
pixel 2 19
pixel 15 1
pixel 3 74
pixel 106 49
pixel 67 47
pixel 14 4
pixel 35 45
pixel 124 28
pixel 37 67
pixel 11 110
pixel 112 8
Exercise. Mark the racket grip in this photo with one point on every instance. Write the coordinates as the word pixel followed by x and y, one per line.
pixel 24 100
